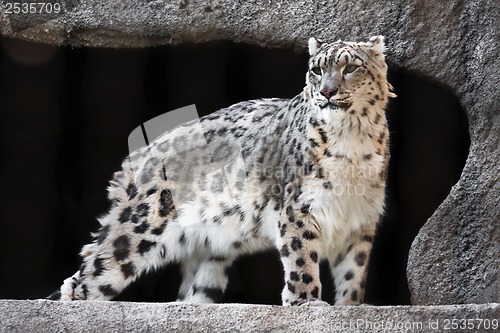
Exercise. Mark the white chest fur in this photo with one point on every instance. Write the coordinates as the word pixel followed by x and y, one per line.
pixel 351 194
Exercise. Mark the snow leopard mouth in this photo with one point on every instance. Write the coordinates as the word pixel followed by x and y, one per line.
pixel 336 105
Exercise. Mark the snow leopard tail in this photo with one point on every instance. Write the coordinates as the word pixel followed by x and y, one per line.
pixel 99 276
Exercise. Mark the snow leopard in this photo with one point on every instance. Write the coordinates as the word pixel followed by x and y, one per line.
pixel 305 176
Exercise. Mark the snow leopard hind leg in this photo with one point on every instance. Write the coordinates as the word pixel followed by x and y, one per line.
pixel 204 280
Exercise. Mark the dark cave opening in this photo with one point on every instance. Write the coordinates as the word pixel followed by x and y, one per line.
pixel 76 108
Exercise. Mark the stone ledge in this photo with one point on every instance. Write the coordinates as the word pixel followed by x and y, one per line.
pixel 100 316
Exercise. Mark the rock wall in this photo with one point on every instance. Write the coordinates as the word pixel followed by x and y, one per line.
pixel 454 259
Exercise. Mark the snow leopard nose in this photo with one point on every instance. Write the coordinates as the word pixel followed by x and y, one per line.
pixel 328 93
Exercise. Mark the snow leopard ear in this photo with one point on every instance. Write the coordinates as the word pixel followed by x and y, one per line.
pixel 377 46
pixel 314 44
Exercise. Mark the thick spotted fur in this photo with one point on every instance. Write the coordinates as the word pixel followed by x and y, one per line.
pixel 305 176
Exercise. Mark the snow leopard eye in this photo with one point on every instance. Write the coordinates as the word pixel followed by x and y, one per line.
pixel 316 70
pixel 350 69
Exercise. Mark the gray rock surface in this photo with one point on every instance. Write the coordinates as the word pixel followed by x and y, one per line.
pixel 454 259
pixel 97 316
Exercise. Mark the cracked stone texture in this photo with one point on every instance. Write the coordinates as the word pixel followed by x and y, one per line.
pixel 86 316
pixel 454 258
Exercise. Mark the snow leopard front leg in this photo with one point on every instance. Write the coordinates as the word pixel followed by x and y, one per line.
pixel 349 267
pixel 299 249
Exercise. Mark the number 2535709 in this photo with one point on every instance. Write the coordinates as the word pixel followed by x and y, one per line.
pixel 32 8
